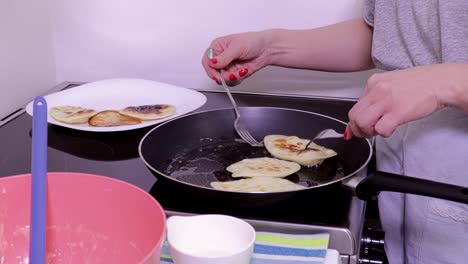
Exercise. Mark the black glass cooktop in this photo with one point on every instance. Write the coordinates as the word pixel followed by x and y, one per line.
pixel 115 154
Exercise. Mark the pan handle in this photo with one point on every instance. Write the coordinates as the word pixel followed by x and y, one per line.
pixel 379 181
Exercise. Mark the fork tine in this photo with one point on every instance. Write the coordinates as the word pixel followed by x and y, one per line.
pixel 242 133
pixel 246 136
pixel 250 139
pixel 241 129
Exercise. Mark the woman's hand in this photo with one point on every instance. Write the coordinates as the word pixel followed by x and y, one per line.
pixel 393 98
pixel 237 56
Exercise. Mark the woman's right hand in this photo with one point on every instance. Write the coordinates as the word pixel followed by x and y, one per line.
pixel 237 56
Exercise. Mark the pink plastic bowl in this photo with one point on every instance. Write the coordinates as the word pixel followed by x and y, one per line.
pixel 90 219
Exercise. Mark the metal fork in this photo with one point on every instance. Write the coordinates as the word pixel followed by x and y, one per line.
pixel 328 133
pixel 240 127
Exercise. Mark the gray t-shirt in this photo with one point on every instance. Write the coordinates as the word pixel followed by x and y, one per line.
pixel 409 33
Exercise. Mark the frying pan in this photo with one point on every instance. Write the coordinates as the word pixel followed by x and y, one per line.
pixel 194 150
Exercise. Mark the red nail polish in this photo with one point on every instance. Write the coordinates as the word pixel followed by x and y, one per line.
pixel 345 135
pixel 232 77
pixel 214 60
pixel 243 72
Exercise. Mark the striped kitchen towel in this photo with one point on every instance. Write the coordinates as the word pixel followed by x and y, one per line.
pixel 277 248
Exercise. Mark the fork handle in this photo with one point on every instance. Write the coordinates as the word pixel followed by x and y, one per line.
pixel 211 54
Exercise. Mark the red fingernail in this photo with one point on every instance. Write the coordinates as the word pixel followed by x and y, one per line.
pixel 214 60
pixel 232 77
pixel 243 72
pixel 345 135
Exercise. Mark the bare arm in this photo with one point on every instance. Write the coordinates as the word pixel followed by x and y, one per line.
pixel 345 46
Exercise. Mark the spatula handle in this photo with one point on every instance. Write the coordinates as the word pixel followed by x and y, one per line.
pixel 37 243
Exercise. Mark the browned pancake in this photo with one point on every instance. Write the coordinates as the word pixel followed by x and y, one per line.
pixel 257 184
pixel 295 149
pixel 110 118
pixel 290 143
pixel 71 114
pixel 149 112
pixel 263 167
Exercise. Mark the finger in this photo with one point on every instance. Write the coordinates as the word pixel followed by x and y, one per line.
pixel 230 78
pixel 231 72
pixel 245 70
pixel 367 119
pixel 358 108
pixel 347 135
pixel 355 130
pixel 225 57
pixel 239 70
pixel 212 73
pixel 387 124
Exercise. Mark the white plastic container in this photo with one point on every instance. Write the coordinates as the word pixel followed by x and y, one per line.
pixel 210 239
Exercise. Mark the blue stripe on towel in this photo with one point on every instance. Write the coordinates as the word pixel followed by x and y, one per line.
pixel 166 260
pixel 284 251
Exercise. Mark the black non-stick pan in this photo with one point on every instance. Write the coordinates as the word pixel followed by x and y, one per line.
pixel 194 150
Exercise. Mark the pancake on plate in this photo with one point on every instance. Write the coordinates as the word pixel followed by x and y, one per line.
pixel 71 114
pixel 110 118
pixel 257 184
pixel 295 149
pixel 149 112
pixel 263 167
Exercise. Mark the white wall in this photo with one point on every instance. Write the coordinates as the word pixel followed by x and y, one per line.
pixel 164 40
pixel 152 39
pixel 26 53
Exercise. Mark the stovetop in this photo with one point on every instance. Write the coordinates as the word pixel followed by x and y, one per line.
pixel 115 154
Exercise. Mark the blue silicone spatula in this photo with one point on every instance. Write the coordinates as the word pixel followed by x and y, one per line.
pixel 37 243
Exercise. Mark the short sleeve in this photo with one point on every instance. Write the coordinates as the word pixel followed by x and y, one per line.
pixel 369 8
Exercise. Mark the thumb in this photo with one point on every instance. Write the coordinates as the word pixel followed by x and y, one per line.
pixel 222 60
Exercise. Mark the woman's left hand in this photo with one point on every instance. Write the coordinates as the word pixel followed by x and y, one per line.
pixel 393 98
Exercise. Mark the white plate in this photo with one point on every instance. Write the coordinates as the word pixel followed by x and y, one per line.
pixel 116 94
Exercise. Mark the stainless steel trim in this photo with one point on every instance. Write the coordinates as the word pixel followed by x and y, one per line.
pixel 341 239
pixel 353 182
pixel 11 116
pixel 357 212
pixel 354 259
pixel 344 259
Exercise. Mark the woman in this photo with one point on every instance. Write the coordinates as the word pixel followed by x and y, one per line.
pixel 417 108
